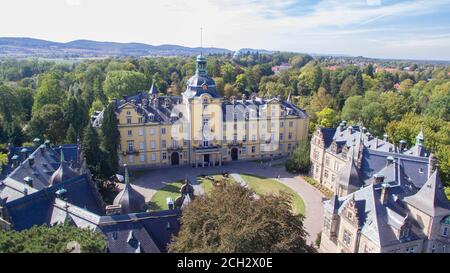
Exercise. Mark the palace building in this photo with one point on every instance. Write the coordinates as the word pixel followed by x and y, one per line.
pixel 201 128
pixel 387 198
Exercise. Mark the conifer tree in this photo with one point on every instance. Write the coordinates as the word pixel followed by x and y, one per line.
pixel 111 136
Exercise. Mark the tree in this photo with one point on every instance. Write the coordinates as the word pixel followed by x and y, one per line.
pixel 48 122
pixel 111 137
pixel 49 91
pixel 321 99
pixel 369 70
pixel 43 239
pixel 351 111
pixel 9 104
pixel 347 89
pixel 327 118
pixel 228 73
pixel 299 159
pixel 71 135
pixel 310 78
pixel 91 148
pixel 123 83
pixel 229 90
pixel 231 220
pixel 3 161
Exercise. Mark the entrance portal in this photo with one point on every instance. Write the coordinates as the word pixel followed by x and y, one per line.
pixel 206 158
pixel 175 158
pixel 234 154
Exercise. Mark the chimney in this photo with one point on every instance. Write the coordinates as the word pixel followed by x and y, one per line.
pixel 432 163
pixel 42 149
pixel 350 129
pixel 29 181
pixel 170 203
pixel 15 161
pixel 341 127
pixel 402 145
pixel 385 137
pixel 31 160
pixel 384 193
pixel 61 193
pixel 390 160
pixel 369 136
pixel 378 178
pixel 25 191
pixel 24 153
pixel 364 130
pixel 47 144
pixel 36 142
pixel 376 142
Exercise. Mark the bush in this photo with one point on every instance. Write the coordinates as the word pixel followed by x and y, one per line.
pixel 299 159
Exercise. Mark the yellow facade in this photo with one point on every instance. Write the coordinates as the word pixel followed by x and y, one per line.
pixel 201 128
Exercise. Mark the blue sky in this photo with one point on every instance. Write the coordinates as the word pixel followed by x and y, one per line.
pixel 415 29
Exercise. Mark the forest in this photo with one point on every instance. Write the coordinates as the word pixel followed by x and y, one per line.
pixel 54 99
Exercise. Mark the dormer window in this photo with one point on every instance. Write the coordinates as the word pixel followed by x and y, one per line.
pixel 404 232
pixel 205 101
pixel 350 215
pixel 128 113
pixel 420 170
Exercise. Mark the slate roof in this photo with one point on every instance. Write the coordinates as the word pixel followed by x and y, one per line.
pixel 378 222
pixel 431 198
pixel 149 228
pixel 412 169
pixel 36 208
pixel 129 199
pixel 349 176
pixel 354 136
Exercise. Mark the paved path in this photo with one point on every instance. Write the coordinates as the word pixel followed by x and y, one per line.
pixel 153 180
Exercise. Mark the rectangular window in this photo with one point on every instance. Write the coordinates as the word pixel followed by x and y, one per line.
pixel 128 120
pixel 289 146
pixel 130 145
pixel 140 120
pixel 152 144
pixel 131 159
pixel 141 145
pixel 164 156
pixel 163 131
pixel 253 137
pixel 347 238
pixel 153 157
pixel 142 158
pixel 174 143
pixel 152 131
pixel 163 144
pixel 281 136
pixel 327 224
pixel 130 132
pixel 291 123
pixel 282 124
pixel 253 149
pixel 141 132
pixel 290 135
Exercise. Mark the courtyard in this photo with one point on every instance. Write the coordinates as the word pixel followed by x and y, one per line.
pixel 263 178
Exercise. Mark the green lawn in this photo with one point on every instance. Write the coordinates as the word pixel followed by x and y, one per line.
pixel 207 184
pixel 171 189
pixel 263 186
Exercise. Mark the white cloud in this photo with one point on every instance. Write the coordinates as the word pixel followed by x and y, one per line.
pixel 373 2
pixel 73 2
pixel 328 26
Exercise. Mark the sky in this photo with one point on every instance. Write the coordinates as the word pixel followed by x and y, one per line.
pixel 415 29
